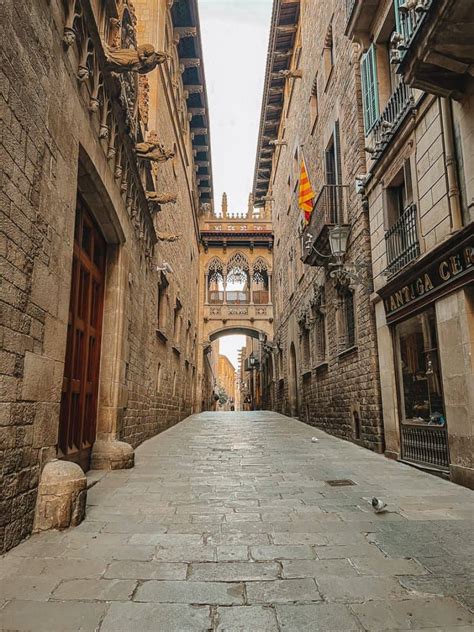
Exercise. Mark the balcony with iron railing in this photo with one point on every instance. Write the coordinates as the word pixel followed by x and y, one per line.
pixel 434 47
pixel 330 209
pixel 400 104
pixel 401 241
pixel 410 17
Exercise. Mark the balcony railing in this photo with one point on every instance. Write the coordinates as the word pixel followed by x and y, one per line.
pixel 425 445
pixel 401 241
pixel 329 210
pixel 399 105
pixel 237 297
pixel 216 297
pixel 409 21
pixel 260 297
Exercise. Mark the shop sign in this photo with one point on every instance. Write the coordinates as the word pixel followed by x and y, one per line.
pixel 435 277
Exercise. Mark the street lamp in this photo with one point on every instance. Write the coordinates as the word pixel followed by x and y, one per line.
pixel 338 237
pixel 343 274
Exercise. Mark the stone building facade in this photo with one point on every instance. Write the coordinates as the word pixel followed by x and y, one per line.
pixel 418 184
pixel 236 282
pixel 105 164
pixel 322 365
pixel 226 378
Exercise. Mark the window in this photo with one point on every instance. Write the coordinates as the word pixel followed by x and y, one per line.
pixel 319 326
pixel 305 347
pixel 333 174
pixel 162 303
pixel 177 322
pixel 419 374
pixel 346 320
pixel 398 195
pixel 370 96
pixel 158 377
pixel 313 104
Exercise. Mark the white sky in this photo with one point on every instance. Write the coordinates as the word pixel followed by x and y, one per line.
pixel 235 41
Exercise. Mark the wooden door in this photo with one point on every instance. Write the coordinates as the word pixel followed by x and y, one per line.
pixel 77 426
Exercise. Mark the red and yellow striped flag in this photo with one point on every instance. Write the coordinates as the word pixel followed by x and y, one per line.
pixel 306 194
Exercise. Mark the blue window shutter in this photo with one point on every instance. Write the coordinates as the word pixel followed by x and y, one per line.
pixel 370 93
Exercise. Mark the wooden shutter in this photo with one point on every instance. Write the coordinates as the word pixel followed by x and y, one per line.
pixel 370 95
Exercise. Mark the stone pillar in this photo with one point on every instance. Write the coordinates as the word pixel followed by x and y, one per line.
pixel 455 324
pixel 61 501
pixel 108 452
pixel 388 372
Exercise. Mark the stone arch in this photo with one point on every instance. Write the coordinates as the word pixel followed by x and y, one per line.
pixel 238 268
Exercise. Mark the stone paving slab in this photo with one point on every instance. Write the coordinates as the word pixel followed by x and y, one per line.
pixel 229 525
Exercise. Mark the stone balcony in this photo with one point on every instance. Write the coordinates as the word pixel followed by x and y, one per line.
pixel 330 209
pixel 233 308
pixel 436 48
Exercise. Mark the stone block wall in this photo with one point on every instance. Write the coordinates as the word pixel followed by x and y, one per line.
pixel 329 393
pixel 49 148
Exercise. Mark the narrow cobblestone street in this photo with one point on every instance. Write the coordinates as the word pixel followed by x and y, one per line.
pixel 229 522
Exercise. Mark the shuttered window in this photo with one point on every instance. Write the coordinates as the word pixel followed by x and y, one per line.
pixel 370 95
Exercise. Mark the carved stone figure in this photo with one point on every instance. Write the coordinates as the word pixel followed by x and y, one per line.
pixel 152 149
pixel 142 60
pixel 167 236
pixel 161 198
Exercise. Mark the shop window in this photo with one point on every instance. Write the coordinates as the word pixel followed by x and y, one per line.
pixel 419 377
pixel 313 104
pixel 370 95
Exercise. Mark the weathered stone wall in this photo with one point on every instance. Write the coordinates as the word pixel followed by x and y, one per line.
pixel 328 393
pixel 49 147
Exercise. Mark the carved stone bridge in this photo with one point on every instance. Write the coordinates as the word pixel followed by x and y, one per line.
pixel 236 268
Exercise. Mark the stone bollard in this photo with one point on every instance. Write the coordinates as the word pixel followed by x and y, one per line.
pixel 112 455
pixel 62 495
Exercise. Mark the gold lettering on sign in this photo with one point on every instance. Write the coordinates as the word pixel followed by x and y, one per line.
pixel 420 288
pixel 399 298
pixel 456 264
pixel 444 270
pixel 469 256
pixel 428 284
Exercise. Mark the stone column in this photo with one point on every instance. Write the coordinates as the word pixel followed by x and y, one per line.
pixel 108 453
pixel 455 324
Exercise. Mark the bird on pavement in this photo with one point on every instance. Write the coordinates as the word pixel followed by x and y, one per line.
pixel 379 505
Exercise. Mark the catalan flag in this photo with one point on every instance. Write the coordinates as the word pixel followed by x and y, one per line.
pixel 306 194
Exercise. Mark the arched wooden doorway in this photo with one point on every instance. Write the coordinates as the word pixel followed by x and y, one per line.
pixel 293 385
pixel 78 413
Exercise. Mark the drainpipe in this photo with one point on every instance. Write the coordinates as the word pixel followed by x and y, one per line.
pixel 454 198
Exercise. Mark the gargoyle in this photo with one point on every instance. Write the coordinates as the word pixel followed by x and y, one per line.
pixel 167 236
pixel 153 150
pixel 161 198
pixel 142 60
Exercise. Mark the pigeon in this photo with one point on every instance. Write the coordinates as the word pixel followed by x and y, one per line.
pixel 379 505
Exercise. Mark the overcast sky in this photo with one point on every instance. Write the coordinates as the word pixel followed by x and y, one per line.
pixel 235 41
